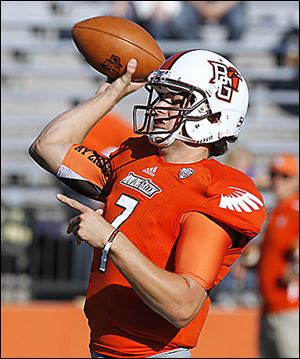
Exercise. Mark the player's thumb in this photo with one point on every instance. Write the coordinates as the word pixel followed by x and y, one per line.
pixel 119 87
pixel 131 67
pixel 99 211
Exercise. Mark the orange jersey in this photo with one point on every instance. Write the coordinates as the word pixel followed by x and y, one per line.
pixel 149 200
pixel 281 236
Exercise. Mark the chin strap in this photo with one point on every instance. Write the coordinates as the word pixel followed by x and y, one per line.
pixel 154 140
pixel 186 139
pixel 169 138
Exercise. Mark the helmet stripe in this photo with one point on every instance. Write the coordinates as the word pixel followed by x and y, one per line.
pixel 171 61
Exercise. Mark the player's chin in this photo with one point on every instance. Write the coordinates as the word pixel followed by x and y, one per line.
pixel 161 126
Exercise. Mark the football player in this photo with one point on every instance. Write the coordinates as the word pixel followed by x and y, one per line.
pixel 174 219
pixel 278 268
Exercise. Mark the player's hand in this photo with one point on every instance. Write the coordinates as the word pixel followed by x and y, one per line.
pixel 89 226
pixel 123 85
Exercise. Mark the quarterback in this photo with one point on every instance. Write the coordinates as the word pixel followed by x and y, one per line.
pixel 174 219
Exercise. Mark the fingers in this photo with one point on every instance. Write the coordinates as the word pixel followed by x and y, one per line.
pixel 78 241
pixel 72 223
pixel 99 211
pixel 134 86
pixel 131 67
pixel 102 88
pixel 125 79
pixel 73 203
pixel 74 228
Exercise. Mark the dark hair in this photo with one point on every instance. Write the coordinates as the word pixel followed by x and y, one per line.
pixel 220 147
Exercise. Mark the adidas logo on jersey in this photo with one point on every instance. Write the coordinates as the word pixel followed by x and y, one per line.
pixel 240 200
pixel 150 171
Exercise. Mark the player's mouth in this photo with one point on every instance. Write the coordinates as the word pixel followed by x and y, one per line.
pixel 160 123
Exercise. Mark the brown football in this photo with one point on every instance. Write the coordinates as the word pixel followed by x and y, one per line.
pixel 109 42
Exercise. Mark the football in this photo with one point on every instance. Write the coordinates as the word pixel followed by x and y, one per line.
pixel 109 42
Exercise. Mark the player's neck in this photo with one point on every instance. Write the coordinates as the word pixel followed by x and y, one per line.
pixel 180 152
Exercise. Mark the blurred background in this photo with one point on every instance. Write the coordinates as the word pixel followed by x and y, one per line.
pixel 43 274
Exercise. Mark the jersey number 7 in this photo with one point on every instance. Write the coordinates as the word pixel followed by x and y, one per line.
pixel 129 204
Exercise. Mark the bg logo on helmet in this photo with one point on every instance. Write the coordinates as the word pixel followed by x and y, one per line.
pixel 227 77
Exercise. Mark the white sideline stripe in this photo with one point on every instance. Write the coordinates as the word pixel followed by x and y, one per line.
pixel 66 172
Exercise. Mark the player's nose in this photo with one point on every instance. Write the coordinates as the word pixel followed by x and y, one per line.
pixel 161 106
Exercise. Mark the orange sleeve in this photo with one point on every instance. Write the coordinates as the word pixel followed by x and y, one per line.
pixel 86 171
pixel 202 246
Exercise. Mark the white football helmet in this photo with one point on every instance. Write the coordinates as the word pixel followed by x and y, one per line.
pixel 213 85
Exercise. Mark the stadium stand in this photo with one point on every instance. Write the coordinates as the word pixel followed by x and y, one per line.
pixel 42 74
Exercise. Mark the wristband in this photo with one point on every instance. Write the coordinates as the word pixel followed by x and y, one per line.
pixel 106 249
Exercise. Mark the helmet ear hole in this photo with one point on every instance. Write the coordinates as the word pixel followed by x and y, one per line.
pixel 184 132
pixel 193 99
pixel 214 118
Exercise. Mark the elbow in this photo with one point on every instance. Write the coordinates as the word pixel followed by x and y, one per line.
pixel 33 150
pixel 39 153
pixel 36 150
pixel 180 324
pixel 48 155
pixel 183 316
pixel 181 321
pixel 187 310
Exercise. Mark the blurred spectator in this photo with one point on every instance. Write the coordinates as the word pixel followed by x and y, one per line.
pixel 16 240
pixel 286 53
pixel 162 19
pixel 238 289
pixel 276 260
pixel 287 50
pixel 16 237
pixel 278 269
pixel 231 14
pixel 182 19
pixel 242 159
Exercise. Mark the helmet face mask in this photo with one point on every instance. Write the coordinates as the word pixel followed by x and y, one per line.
pixel 214 100
pixel 157 88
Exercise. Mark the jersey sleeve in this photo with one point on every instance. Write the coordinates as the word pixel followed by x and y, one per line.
pixel 87 172
pixel 201 248
pixel 232 198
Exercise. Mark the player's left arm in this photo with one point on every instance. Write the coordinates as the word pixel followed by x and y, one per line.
pixel 176 297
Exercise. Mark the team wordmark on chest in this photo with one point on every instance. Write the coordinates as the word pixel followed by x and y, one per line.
pixel 141 184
